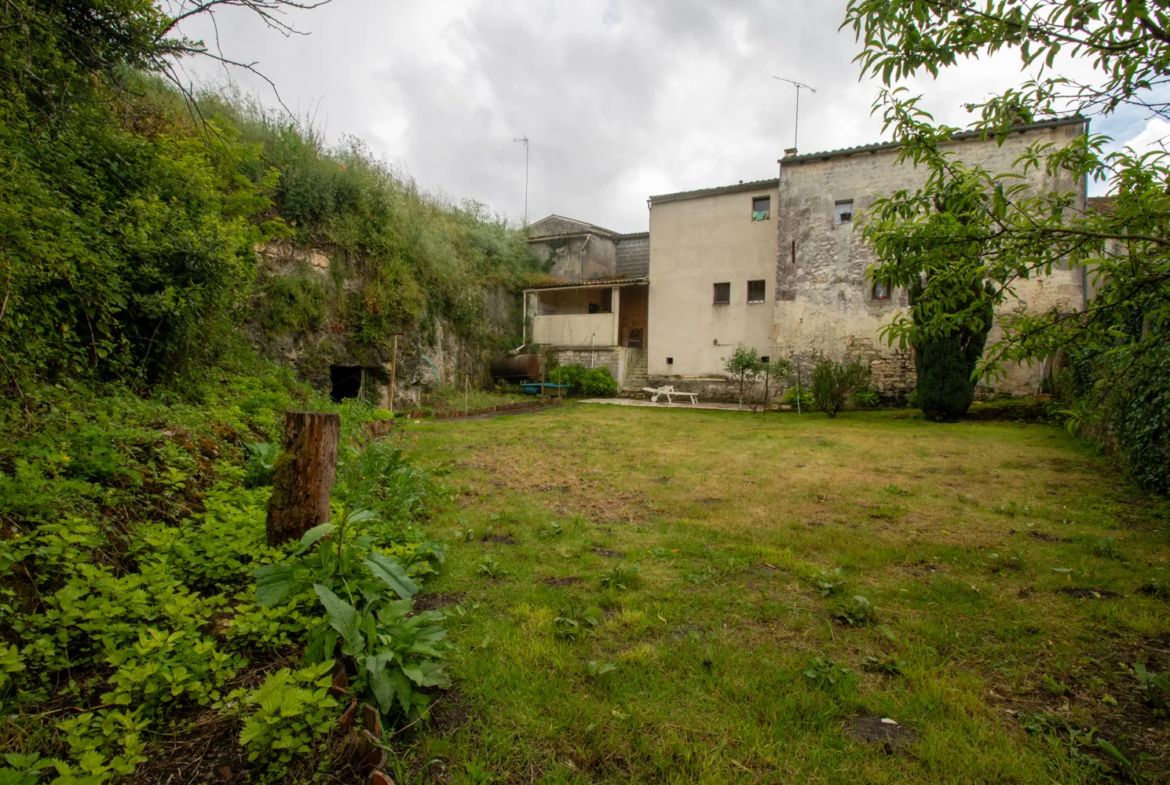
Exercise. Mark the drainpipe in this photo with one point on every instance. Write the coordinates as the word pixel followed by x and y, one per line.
pixel 592 349
pixel 524 323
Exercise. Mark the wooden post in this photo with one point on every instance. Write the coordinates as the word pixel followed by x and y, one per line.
pixel 393 370
pixel 303 477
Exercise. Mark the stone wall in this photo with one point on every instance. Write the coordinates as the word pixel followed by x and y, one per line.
pixel 824 304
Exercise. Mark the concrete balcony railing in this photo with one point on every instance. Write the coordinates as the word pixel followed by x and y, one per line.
pixel 584 329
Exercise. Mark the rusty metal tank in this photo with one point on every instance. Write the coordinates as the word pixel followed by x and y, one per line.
pixel 516 368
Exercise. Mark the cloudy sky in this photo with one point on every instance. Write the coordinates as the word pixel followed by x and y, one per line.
pixel 620 98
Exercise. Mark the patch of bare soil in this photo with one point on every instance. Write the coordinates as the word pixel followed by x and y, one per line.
pixel 503 539
pixel 440 599
pixel 709 500
pixel 566 488
pixel 608 554
pixel 883 733
pixel 1042 537
pixel 556 583
pixel 448 713
pixel 1088 594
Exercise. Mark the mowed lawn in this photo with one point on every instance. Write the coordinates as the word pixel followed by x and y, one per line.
pixel 649 595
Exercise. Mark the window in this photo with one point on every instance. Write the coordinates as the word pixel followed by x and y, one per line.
pixel 765 359
pixel 670 361
pixel 843 212
pixel 634 339
pixel 881 290
pixel 755 291
pixel 722 293
pixel 761 208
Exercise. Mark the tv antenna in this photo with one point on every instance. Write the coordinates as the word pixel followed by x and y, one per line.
pixel 799 86
pixel 524 139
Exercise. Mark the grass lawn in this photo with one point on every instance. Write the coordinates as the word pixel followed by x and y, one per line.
pixel 670 596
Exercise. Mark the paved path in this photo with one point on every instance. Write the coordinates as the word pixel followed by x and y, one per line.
pixel 664 405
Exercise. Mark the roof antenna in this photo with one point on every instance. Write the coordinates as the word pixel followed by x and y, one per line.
pixel 524 139
pixel 799 86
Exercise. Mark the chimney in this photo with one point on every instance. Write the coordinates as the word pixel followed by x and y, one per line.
pixel 791 151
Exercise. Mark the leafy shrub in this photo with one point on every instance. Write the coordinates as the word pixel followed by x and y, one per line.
pixel 163 669
pixel 866 398
pixel 1140 408
pixel 805 397
pixel 287 712
pixel 834 382
pixel 590 382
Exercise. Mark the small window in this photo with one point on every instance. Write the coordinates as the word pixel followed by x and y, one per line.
pixel 843 213
pixel 761 208
pixel 765 359
pixel 722 293
pixel 881 290
pixel 755 291
pixel 670 361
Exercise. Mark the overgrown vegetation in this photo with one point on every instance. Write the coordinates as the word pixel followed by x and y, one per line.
pixel 128 221
pixel 138 590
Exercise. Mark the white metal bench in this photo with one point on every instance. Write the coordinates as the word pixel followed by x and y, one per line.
pixel 668 391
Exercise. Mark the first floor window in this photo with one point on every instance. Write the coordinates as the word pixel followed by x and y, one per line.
pixel 722 293
pixel 881 290
pixel 755 291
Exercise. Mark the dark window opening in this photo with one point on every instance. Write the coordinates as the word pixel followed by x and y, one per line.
pixel 670 361
pixel 881 290
pixel 765 359
pixel 634 339
pixel 722 293
pixel 756 291
pixel 843 212
pixel 594 308
pixel 761 208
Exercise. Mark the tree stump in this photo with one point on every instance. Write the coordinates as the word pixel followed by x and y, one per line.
pixel 303 476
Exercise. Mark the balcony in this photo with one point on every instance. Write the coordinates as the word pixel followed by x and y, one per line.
pixel 581 329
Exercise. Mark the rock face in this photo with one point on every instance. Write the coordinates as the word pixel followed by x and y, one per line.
pixel 329 356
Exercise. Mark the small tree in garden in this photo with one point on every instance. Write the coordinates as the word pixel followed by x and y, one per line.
pixel 833 382
pixel 773 370
pixel 745 367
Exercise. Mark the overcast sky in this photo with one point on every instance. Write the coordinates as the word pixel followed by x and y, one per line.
pixel 621 99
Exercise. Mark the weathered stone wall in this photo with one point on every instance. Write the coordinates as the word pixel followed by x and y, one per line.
pixel 587 257
pixel 824 304
pixel 633 255
pixel 311 354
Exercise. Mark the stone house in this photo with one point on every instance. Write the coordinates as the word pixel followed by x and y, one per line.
pixel 593 310
pixel 778 265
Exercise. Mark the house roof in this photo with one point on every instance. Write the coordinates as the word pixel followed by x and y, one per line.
pixel 844 152
pixel 584 228
pixel 755 185
pixel 589 284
